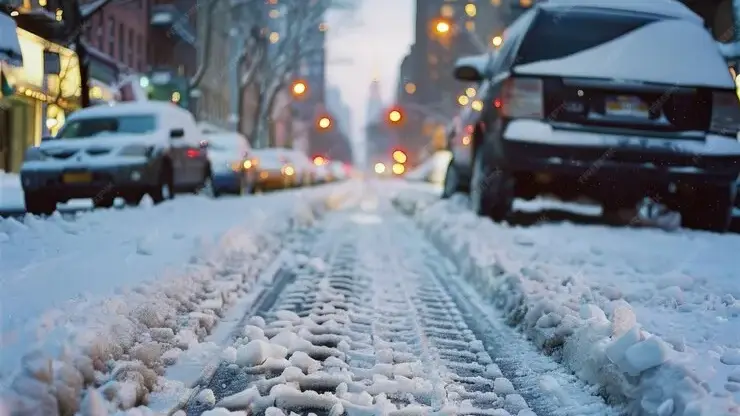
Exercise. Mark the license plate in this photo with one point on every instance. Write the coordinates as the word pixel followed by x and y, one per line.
pixel 77 177
pixel 627 106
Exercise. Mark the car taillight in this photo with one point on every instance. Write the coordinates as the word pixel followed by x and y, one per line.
pixel 725 113
pixel 521 98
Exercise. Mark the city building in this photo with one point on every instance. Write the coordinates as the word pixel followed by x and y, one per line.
pixel 173 52
pixel 212 93
pixel 342 113
pixel 39 92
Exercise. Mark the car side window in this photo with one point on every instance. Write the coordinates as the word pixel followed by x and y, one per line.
pixel 513 37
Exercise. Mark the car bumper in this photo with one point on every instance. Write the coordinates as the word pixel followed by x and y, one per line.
pixel 274 179
pixel 227 181
pixel 114 178
pixel 534 147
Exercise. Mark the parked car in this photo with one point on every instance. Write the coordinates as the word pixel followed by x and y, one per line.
pixel 305 169
pixel 278 168
pixel 126 150
pixel 339 170
pixel 577 109
pixel 231 163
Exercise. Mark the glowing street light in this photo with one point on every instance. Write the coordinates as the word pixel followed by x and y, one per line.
pixel 442 27
pixel 398 168
pixel 299 88
pixel 395 116
pixel 463 100
pixel 324 122
pixel 497 41
pixel 379 168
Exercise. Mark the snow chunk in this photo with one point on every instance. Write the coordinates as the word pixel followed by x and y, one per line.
pixel 206 396
pixel 257 352
pixel 241 400
pixel 503 386
pixel 646 354
pixel 730 357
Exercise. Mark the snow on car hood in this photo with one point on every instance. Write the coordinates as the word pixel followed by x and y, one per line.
pixel 667 52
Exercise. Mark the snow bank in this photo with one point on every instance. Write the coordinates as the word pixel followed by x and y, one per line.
pixel 115 350
pixel 649 316
pixel 11 192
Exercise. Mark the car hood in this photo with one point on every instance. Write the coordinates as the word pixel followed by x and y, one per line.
pixel 674 52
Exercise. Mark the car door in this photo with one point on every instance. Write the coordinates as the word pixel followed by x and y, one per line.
pixel 177 149
pixel 196 154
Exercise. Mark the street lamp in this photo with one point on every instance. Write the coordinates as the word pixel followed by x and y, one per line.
pixel 442 27
pixel 324 123
pixel 395 116
pixel 399 156
pixel 497 41
pixel 299 88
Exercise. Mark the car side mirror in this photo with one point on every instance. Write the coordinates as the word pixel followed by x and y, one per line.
pixel 467 73
pixel 177 133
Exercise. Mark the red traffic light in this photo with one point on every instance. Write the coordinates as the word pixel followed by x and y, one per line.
pixel 400 156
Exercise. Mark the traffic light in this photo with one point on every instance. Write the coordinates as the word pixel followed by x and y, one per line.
pixel 324 123
pixel 299 88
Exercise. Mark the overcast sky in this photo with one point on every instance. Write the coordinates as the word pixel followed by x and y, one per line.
pixel 376 42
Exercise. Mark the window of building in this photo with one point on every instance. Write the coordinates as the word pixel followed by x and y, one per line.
pixel 111 36
pixel 121 42
pixel 140 52
pixel 131 49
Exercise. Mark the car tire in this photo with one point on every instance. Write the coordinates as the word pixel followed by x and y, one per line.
pixel 39 204
pixel 165 189
pixel 491 191
pixel 133 199
pixel 709 209
pixel 452 181
pixel 105 201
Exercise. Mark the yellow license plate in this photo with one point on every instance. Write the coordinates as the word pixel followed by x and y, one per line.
pixel 82 177
pixel 543 178
pixel 626 106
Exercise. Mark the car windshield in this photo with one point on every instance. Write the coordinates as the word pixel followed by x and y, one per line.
pixel 220 143
pixel 98 126
pixel 557 35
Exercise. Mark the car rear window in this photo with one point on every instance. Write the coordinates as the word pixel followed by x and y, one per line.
pixel 98 126
pixel 559 34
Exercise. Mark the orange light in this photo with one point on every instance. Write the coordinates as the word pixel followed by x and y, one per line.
pixel 400 156
pixel 398 168
pixel 299 88
pixel 395 116
pixel 442 27
pixel 324 122
pixel 319 161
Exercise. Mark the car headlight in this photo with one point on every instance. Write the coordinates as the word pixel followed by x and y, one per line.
pixel 235 166
pixel 33 154
pixel 137 150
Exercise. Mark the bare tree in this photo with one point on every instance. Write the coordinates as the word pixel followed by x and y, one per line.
pixel 267 64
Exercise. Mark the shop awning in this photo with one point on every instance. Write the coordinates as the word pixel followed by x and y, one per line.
pixel 10 47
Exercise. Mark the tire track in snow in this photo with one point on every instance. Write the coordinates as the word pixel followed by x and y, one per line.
pixel 377 330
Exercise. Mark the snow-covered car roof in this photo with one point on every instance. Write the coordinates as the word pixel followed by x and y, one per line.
pixel 128 108
pixel 668 8
pixel 663 52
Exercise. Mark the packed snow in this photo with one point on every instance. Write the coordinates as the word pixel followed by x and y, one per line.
pixel 114 296
pixel 651 316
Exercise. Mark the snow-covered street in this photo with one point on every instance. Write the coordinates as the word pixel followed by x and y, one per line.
pixel 362 298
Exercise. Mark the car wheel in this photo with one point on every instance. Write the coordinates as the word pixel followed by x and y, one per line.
pixel 452 181
pixel 105 201
pixel 710 209
pixel 491 191
pixel 39 204
pixel 165 188
pixel 133 199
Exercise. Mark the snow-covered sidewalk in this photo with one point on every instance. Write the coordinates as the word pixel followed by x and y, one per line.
pixel 11 192
pixel 101 282
pixel 652 316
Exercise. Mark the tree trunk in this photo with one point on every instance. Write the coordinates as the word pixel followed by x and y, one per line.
pixel 84 65
pixel 255 132
pixel 203 61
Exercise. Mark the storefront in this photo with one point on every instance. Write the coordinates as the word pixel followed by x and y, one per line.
pixel 39 103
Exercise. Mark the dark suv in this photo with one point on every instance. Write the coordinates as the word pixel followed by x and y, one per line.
pixel 606 103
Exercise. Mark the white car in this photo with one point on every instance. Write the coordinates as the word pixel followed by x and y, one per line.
pixel 231 163
pixel 126 150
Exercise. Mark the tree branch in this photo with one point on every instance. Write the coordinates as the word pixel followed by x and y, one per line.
pixel 203 61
